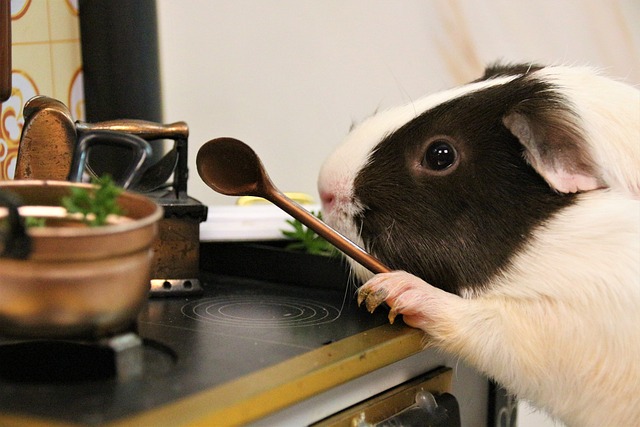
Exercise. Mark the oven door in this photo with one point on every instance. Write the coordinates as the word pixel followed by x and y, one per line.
pixel 423 401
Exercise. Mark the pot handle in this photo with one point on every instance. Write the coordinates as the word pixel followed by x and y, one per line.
pixel 140 147
pixel 17 243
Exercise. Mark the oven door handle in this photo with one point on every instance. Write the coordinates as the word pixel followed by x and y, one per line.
pixel 430 410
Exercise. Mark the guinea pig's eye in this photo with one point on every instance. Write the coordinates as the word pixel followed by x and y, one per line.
pixel 439 156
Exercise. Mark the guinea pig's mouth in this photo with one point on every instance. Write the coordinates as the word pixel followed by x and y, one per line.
pixel 343 219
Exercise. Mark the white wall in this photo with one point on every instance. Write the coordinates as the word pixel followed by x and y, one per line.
pixel 289 76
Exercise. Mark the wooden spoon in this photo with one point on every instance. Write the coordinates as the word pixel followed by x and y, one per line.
pixel 231 167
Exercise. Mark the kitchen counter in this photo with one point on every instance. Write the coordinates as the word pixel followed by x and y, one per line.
pixel 243 351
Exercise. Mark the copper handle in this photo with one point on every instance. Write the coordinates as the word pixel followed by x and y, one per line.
pixel 5 50
pixel 142 128
pixel 140 148
pixel 17 242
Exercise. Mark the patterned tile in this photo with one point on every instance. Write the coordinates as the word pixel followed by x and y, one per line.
pixel 46 60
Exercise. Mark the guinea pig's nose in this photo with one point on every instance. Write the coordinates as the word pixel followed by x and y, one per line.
pixel 328 200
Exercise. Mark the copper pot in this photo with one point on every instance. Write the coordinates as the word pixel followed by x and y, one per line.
pixel 77 281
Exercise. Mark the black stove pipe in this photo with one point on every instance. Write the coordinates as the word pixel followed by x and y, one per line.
pixel 121 67
pixel 120 60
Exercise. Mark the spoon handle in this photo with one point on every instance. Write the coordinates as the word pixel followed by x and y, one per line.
pixel 331 235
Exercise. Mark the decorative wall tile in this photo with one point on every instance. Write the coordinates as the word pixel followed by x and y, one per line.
pixel 29 22
pixel 64 19
pixel 46 60
pixel 33 60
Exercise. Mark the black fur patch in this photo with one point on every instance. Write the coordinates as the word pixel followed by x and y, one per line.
pixel 458 230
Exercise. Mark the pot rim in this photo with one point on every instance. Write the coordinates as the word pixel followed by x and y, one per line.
pixel 126 226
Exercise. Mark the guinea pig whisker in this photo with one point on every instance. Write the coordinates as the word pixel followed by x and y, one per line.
pixel 389 231
pixel 404 92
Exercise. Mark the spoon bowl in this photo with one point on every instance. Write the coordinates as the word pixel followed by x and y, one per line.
pixel 231 167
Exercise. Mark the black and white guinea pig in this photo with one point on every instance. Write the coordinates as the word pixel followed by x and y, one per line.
pixel 510 207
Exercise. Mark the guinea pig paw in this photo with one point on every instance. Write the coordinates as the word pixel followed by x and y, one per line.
pixel 377 291
pixel 403 293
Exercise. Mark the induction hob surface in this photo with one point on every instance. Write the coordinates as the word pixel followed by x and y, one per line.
pixel 236 327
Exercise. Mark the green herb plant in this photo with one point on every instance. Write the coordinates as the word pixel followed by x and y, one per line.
pixel 32 221
pixel 95 204
pixel 306 240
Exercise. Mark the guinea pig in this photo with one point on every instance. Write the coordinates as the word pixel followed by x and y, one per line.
pixel 509 210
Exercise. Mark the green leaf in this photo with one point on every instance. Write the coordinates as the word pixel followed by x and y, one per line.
pixel 94 204
pixel 305 239
pixel 32 221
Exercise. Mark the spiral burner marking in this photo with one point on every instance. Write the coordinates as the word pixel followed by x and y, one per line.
pixel 261 311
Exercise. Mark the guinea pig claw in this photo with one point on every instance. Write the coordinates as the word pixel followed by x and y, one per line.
pixel 374 299
pixel 393 313
pixel 362 295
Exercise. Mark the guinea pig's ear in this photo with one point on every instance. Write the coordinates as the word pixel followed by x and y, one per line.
pixel 554 146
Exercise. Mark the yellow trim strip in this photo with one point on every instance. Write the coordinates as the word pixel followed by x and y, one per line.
pixel 22 421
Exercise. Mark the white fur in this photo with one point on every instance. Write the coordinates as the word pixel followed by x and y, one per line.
pixel 561 326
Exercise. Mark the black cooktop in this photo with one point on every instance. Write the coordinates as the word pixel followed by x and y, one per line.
pixel 237 326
